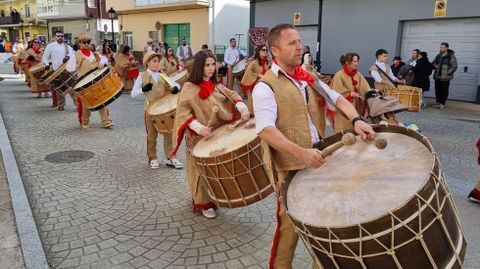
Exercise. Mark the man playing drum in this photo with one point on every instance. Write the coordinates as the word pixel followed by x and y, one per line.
pixel 59 53
pixel 88 61
pixel 283 91
pixel 150 84
pixel 232 57
pixel 195 116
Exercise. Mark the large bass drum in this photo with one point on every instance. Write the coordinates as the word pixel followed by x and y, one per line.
pixel 371 208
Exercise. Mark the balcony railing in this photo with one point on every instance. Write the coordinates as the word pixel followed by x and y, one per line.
pixel 10 20
pixel 141 3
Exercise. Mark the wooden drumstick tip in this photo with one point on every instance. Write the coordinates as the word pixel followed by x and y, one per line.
pixel 348 139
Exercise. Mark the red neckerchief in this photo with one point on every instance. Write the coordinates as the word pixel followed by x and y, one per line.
pixel 86 52
pixel 206 89
pixel 299 74
pixel 36 49
pixel 352 74
pixel 263 63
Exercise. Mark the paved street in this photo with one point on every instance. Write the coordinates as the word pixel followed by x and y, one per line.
pixel 112 212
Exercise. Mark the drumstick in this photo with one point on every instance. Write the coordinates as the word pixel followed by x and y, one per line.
pixel 214 112
pixel 380 143
pixel 348 139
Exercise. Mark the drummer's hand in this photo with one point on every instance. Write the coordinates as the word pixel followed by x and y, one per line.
pixel 401 82
pixel 363 129
pixel 245 114
pixel 205 131
pixel 180 67
pixel 100 66
pixel 311 157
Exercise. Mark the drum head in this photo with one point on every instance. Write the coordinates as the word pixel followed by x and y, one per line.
pixel 164 105
pixel 179 75
pixel 89 77
pixel 242 65
pixel 224 140
pixel 359 183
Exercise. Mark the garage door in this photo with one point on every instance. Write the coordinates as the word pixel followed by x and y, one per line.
pixel 463 35
pixel 308 35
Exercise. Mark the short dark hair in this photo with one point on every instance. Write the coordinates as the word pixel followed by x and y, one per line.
pixel 204 46
pixel 445 44
pixel 275 32
pixel 125 49
pixel 417 51
pixel 380 52
pixel 348 57
pixel 424 54
pixel 397 58
pixel 196 76
pixel 232 39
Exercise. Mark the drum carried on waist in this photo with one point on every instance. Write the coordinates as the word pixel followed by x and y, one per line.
pixel 37 70
pixel 163 112
pixel 230 161
pixel 64 82
pixel 239 69
pixel 372 208
pixel 180 77
pixel 99 87
pixel 408 95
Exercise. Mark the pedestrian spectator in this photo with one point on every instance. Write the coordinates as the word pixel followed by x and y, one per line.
pixel 445 65
pixel 422 71
pixel 397 64
pixel 306 50
pixel 149 46
pixel 415 54
pixel 2 48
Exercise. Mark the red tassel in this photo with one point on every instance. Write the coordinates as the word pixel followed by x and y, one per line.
pixel 197 208
pixel 79 110
pixel 54 98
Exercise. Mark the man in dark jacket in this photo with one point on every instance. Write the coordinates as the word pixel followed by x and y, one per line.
pixel 445 65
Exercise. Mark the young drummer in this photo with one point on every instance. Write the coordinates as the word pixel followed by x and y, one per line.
pixel 194 118
pixel 87 61
pixel 150 84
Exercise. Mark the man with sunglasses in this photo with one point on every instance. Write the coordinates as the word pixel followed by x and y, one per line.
pixel 87 61
pixel 59 53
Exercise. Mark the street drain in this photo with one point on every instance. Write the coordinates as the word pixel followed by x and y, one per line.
pixel 70 156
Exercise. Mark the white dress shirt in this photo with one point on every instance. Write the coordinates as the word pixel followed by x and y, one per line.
pixel 377 76
pixel 265 106
pixel 55 53
pixel 185 51
pixel 232 55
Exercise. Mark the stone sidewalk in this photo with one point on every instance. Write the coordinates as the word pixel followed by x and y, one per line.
pixel 10 250
pixel 112 212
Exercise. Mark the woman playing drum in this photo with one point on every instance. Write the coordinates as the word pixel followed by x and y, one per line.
pixel 350 83
pixel 126 65
pixel 171 64
pixel 256 69
pixel 195 116
pixel 87 61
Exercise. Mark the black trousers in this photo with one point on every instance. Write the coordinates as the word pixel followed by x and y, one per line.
pixel 441 91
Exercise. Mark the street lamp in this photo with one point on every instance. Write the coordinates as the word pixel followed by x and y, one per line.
pixel 112 14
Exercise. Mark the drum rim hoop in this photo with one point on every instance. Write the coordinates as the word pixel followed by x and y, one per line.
pixel 213 160
pixel 326 142
pixel 93 81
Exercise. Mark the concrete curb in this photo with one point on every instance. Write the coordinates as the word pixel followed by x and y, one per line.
pixel 32 248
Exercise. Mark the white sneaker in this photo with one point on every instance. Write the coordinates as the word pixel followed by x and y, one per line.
pixel 441 107
pixel 209 213
pixel 154 164
pixel 173 162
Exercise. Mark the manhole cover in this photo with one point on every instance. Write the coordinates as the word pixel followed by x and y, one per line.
pixel 70 156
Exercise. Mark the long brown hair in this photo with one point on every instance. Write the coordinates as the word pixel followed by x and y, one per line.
pixel 198 65
pixel 257 53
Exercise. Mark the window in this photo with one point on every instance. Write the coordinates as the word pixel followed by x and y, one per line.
pixel 27 11
pixel 27 35
pixel 92 4
pixel 128 39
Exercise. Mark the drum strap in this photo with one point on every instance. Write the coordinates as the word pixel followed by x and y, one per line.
pixel 387 76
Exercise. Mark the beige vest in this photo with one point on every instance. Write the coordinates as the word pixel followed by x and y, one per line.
pixel 83 63
pixel 377 85
pixel 158 89
pixel 182 52
pixel 292 117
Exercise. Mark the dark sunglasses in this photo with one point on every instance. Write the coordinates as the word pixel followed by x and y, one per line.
pixel 59 35
pixel 264 50
pixel 85 42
